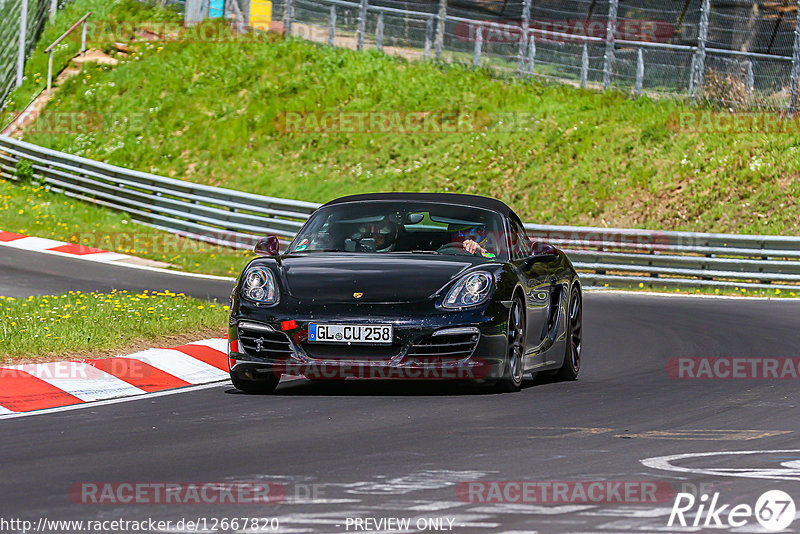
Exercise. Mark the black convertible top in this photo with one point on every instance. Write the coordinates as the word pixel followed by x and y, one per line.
pixel 445 198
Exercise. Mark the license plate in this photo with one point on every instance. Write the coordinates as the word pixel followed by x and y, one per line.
pixel 380 334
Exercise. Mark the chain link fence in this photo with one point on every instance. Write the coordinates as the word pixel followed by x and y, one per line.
pixel 742 54
pixel 21 24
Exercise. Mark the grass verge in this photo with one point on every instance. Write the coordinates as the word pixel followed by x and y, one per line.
pixel 214 112
pixel 91 324
pixel 32 210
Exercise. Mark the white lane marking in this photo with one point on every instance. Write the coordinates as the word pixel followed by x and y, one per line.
pixel 434 479
pixel 4 411
pixel 79 379
pixel 216 343
pixel 107 402
pixel 791 472
pixel 103 256
pixel 629 512
pixel 34 243
pixel 180 365
pixel 123 264
pixel 604 291
pixel 436 506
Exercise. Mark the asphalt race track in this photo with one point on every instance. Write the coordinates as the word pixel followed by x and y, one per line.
pixel 382 449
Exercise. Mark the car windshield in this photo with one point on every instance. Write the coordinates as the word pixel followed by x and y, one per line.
pixel 403 227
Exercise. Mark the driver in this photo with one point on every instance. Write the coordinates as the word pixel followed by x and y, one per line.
pixel 473 239
pixel 384 233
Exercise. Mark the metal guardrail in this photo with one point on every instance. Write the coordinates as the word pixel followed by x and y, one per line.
pixel 212 214
pixel 605 257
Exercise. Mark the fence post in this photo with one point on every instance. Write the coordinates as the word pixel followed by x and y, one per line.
pixel 749 80
pixel 476 54
pixel 83 37
pixel 362 25
pixel 611 30
pixel 379 33
pixel 637 89
pixel 288 15
pixel 332 27
pixel 23 27
pixel 531 53
pixel 53 9
pixel 428 37
pixel 442 20
pixel 584 65
pixel 524 27
pixel 699 65
pixel 795 73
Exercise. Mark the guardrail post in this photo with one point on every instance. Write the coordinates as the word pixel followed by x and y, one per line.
pixel 531 54
pixel 584 65
pixel 428 37
pixel 699 62
pixel 362 25
pixel 23 27
pixel 379 33
pixel 795 73
pixel 442 20
pixel 476 54
pixel 611 31
pixel 637 89
pixel 288 15
pixel 332 25
pixel 53 9
pixel 524 27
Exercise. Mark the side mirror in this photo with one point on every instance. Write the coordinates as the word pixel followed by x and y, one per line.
pixel 540 248
pixel 268 246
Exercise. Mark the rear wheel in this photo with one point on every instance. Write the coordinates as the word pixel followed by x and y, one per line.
pixel 572 356
pixel 261 386
pixel 512 379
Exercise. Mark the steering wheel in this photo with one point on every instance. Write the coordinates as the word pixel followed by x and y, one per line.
pixel 454 248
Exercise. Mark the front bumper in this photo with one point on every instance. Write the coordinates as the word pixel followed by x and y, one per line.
pixel 435 344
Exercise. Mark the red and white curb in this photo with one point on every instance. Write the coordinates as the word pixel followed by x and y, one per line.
pixel 82 252
pixel 29 387
pixel 41 244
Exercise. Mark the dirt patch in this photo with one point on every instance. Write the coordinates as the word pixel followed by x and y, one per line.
pixel 172 340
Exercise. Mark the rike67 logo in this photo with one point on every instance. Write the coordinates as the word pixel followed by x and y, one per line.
pixel 774 511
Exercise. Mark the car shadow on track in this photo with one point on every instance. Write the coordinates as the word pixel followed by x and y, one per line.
pixel 394 388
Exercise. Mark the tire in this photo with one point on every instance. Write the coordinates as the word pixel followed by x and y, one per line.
pixel 256 387
pixel 572 355
pixel 515 353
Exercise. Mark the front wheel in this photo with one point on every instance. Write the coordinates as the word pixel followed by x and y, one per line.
pixel 572 355
pixel 515 358
pixel 262 386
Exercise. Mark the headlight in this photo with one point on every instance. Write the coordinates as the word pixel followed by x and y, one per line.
pixel 470 290
pixel 259 285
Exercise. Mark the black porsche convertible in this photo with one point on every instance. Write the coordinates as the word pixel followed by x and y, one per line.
pixel 406 285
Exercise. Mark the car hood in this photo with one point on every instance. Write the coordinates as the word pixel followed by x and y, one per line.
pixel 336 277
